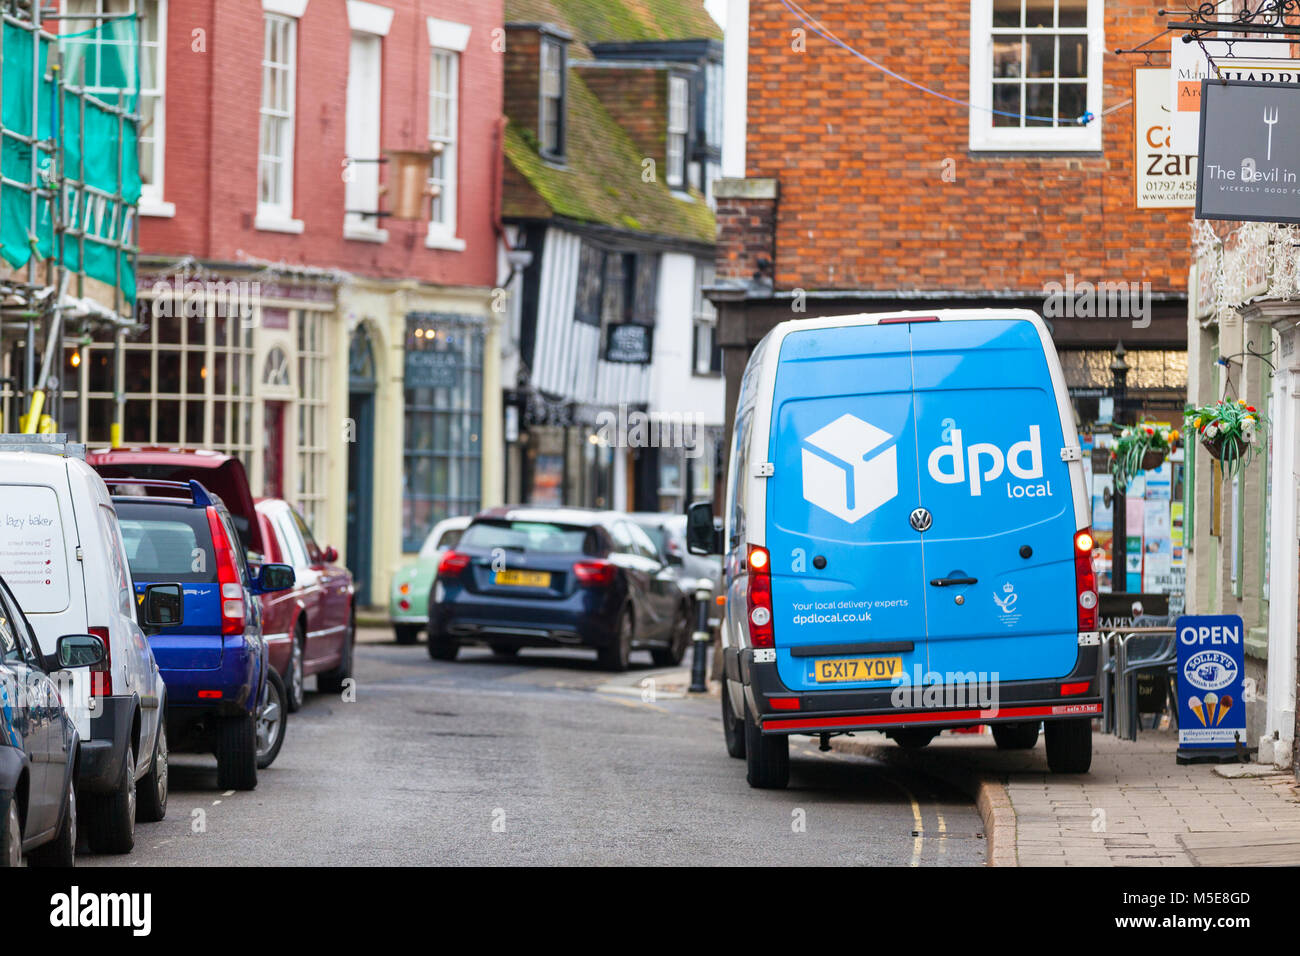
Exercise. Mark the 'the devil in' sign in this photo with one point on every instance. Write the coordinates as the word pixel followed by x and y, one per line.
pixel 1211 682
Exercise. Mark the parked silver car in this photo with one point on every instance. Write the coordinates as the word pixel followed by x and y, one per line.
pixel 668 532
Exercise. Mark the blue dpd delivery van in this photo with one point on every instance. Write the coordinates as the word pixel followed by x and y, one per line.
pixel 906 543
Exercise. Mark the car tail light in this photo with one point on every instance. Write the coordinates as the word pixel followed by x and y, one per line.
pixel 784 703
pixel 232 588
pixel 594 574
pixel 758 598
pixel 210 695
pixel 904 319
pixel 1076 688
pixel 1085 581
pixel 452 564
pixel 101 677
pixel 404 604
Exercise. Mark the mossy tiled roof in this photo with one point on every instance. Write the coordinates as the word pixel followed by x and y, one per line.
pixel 610 21
pixel 601 182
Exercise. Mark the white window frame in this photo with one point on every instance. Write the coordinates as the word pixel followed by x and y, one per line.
pixel 984 135
pixel 442 231
pixel 561 53
pixel 151 193
pixel 677 142
pixel 355 226
pixel 277 216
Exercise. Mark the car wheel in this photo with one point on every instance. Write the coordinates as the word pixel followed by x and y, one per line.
pixel 673 654
pixel 1069 745
pixel 62 850
pixel 11 838
pixel 295 691
pixel 110 817
pixel 1021 736
pixel 733 729
pixel 153 793
pixel 615 655
pixel 406 633
pixel 442 647
pixel 767 757
pixel 272 720
pixel 331 681
pixel 505 650
pixel 237 753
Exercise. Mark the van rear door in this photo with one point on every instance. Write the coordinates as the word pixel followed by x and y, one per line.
pixel 847 569
pixel 990 434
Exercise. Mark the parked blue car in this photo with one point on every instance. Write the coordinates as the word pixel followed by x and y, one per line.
pixel 558 577
pixel 222 696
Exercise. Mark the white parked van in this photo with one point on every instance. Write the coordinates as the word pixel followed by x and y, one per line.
pixel 61 553
pixel 907 539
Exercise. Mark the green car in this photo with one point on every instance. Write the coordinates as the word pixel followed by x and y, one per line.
pixel 408 599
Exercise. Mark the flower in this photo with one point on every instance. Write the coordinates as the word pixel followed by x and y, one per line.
pixel 1250 408
pixel 1211 430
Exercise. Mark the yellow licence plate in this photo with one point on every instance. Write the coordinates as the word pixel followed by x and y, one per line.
pixel 859 668
pixel 525 579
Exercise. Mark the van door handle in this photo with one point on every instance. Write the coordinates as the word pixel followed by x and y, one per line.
pixel 949 582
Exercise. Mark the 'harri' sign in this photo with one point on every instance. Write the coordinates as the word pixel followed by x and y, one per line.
pixel 1211 684
pixel 1250 152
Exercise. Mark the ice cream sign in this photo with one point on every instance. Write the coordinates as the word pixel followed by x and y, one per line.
pixel 1211 665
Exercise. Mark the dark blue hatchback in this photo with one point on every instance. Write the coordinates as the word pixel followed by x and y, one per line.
pixel 221 695
pixel 539 577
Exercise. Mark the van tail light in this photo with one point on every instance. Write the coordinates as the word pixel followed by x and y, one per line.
pixel 1085 581
pixel 232 588
pixel 758 598
pixel 452 564
pixel 594 574
pixel 101 675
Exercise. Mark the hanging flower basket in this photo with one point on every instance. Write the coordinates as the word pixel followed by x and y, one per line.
pixel 1229 430
pixel 1141 447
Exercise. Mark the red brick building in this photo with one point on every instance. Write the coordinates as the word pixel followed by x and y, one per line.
pixel 853 190
pixel 288 316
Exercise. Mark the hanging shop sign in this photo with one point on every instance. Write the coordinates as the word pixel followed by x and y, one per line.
pixel 1211 685
pixel 1163 178
pixel 1250 152
pixel 1188 66
pixel 628 342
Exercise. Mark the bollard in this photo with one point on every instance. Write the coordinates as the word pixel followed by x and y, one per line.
pixel 701 638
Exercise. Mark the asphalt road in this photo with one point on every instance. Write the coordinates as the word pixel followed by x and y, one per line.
pixel 540 760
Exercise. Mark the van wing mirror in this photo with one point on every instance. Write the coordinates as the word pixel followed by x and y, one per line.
pixel 79 650
pixel 701 535
pixel 163 605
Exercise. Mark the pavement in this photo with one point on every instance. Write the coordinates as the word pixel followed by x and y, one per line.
pixel 1136 807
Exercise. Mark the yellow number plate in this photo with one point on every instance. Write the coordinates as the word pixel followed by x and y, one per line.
pixel 859 668
pixel 525 579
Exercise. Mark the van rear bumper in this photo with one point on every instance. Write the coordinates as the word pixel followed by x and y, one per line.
pixel 781 710
pixel 100 768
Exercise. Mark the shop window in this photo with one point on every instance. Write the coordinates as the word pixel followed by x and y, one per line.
pixel 442 455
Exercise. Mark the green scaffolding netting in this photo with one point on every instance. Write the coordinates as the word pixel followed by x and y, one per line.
pixel 93 144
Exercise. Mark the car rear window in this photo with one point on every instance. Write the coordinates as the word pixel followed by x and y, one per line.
pixel 542 537
pixel 165 543
pixel 33 550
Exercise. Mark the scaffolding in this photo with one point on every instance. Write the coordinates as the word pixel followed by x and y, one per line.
pixel 69 190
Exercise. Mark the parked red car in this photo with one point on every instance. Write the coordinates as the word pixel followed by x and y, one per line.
pixel 311 628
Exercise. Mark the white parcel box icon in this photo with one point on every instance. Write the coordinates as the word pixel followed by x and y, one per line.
pixel 842 477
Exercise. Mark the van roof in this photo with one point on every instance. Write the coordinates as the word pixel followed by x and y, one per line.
pixel 875 318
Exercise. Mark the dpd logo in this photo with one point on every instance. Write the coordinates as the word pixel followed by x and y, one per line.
pixel 840 474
